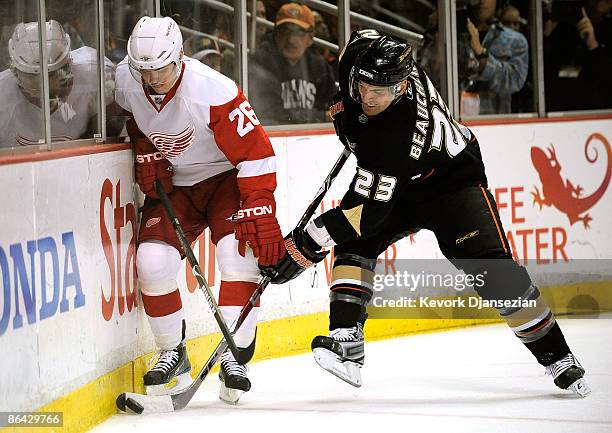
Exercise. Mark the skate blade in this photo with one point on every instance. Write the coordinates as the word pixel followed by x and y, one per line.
pixel 229 395
pixel 580 388
pixel 348 371
pixel 177 384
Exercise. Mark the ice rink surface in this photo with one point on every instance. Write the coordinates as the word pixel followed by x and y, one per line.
pixel 479 379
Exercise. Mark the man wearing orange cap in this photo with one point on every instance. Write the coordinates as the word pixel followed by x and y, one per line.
pixel 293 84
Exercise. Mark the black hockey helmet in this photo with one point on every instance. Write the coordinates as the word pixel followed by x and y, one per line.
pixel 385 62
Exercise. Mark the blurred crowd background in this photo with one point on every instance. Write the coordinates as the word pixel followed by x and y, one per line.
pixel 516 57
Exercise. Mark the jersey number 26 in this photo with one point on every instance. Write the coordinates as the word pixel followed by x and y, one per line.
pixel 242 111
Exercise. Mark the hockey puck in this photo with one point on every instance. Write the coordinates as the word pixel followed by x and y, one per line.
pixel 120 402
pixel 124 403
pixel 133 405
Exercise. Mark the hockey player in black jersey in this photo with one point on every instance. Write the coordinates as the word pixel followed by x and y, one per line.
pixel 416 168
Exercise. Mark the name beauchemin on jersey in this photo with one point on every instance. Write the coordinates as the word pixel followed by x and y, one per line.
pixel 467 302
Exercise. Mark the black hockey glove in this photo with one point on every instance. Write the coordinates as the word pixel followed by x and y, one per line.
pixel 302 253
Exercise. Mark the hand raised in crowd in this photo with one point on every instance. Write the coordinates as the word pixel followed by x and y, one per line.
pixel 587 32
pixel 474 38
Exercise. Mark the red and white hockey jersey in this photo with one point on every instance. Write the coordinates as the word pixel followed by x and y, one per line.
pixel 203 126
pixel 21 122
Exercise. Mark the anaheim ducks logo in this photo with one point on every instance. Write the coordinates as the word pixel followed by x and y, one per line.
pixel 173 145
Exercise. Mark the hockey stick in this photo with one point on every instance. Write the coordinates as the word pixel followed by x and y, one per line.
pixel 140 403
pixel 318 198
pixel 195 267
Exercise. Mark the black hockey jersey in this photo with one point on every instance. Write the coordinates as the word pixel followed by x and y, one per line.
pixel 413 144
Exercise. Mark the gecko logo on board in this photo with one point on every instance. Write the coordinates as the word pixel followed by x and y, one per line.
pixel 38 278
pixel 118 236
pixel 560 192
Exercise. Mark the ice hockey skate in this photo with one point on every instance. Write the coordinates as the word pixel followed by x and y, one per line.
pixel 568 374
pixel 342 353
pixel 234 380
pixel 171 372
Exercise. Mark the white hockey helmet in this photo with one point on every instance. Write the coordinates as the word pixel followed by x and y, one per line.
pixel 154 44
pixel 24 48
pixel 26 64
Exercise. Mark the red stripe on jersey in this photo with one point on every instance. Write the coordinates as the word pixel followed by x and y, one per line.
pixel 160 306
pixel 236 293
pixel 240 137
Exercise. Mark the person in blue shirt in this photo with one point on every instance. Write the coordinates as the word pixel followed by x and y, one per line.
pixel 503 56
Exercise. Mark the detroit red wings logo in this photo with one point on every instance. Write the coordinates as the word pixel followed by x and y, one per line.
pixel 173 145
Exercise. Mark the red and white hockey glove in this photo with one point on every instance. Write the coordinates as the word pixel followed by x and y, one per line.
pixel 256 225
pixel 151 166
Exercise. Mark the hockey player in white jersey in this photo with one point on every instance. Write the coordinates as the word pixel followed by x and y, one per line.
pixel 73 88
pixel 193 130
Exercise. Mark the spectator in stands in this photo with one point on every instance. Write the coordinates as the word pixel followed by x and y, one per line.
pixel 294 84
pixel 192 45
pixel 260 29
pixel 321 28
pixel 577 55
pixel 433 59
pixel 503 59
pixel 222 29
pixel 322 32
pixel 510 17
pixel 78 20
pixel 522 101
pixel 209 53
pixel 207 50
pixel 119 33
pixel 432 55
